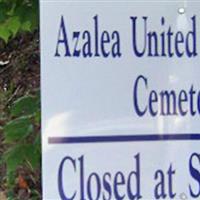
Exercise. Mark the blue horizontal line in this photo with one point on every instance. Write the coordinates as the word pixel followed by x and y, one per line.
pixel 124 138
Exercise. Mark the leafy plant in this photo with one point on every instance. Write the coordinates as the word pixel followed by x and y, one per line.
pixel 17 16
pixel 24 147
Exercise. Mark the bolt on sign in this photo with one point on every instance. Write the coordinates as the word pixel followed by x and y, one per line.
pixel 120 99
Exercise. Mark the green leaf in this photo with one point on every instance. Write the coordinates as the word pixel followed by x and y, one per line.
pixel 17 129
pixel 4 32
pixel 26 105
pixel 14 157
pixel 26 26
pixel 32 156
pixel 13 24
pixel 17 155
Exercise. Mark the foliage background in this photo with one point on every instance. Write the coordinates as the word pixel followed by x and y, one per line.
pixel 19 100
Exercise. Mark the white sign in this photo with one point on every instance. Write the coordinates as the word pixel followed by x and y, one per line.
pixel 120 99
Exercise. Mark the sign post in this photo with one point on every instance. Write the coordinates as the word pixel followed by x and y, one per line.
pixel 120 99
